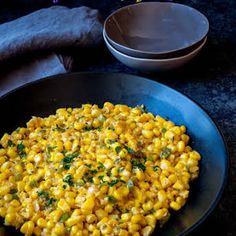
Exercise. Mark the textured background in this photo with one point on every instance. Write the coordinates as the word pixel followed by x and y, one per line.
pixel 210 79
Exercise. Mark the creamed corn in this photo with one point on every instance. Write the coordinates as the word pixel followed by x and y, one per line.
pixel 95 171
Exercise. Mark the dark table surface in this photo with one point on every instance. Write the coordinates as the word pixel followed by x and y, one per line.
pixel 210 79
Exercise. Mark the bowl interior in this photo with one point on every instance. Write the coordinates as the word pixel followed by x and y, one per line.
pixel 156 27
pixel 43 97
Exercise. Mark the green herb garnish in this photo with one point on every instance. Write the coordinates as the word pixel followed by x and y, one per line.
pixel 88 165
pixel 10 143
pixel 138 165
pixel 100 166
pixel 165 152
pixel 43 194
pixel 50 201
pixel 111 199
pixel 130 150
pixel 21 150
pixel 59 129
pixel 155 168
pixel 66 161
pixel 65 216
pixel 68 179
pixel 118 149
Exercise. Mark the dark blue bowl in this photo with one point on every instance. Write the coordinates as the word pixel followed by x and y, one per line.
pixel 43 97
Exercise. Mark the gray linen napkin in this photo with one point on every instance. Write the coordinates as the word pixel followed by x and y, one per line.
pixel 51 31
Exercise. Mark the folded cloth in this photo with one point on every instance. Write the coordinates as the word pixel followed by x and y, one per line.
pixel 51 31
pixel 30 69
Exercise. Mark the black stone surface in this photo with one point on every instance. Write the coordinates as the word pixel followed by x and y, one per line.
pixel 210 79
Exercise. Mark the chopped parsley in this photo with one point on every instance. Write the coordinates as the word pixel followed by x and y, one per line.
pixel 111 199
pixel 118 149
pixel 155 168
pixel 50 202
pixel 90 179
pixel 88 165
pixel 13 193
pixel 68 179
pixel 65 216
pixel 114 182
pixel 138 165
pixel 130 150
pixel 43 194
pixel 59 128
pixel 13 190
pixel 165 152
pixel 100 166
pixel 66 161
pixel 21 150
pixel 10 143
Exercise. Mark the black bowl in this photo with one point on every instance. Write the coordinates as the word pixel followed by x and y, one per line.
pixel 43 97
pixel 156 30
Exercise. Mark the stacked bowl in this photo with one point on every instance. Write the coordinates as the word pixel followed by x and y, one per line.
pixel 155 36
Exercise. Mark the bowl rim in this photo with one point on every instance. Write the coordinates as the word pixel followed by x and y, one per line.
pixel 225 181
pixel 151 52
pixel 153 60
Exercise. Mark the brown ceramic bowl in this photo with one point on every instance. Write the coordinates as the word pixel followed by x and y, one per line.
pixel 156 29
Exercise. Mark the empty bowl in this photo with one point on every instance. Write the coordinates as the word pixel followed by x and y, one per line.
pixel 156 29
pixel 152 65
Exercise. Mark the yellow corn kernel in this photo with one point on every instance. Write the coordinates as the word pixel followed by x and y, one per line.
pixel 175 206
pixel 88 205
pixel 161 213
pixel 42 223
pixel 100 213
pixel 4 189
pixel 91 218
pixel 180 146
pixel 3 211
pixel 147 231
pixel 63 205
pixel 96 232
pixel 68 145
pixel 11 152
pixel 27 228
pixel 136 219
pixel 147 133
pixel 108 208
pixel 123 233
pixel 125 217
pixel 140 175
pixel 73 220
pixel 161 196
pixel 50 224
pixel 178 185
pixel 133 228
pixel 59 229
pixel 106 229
